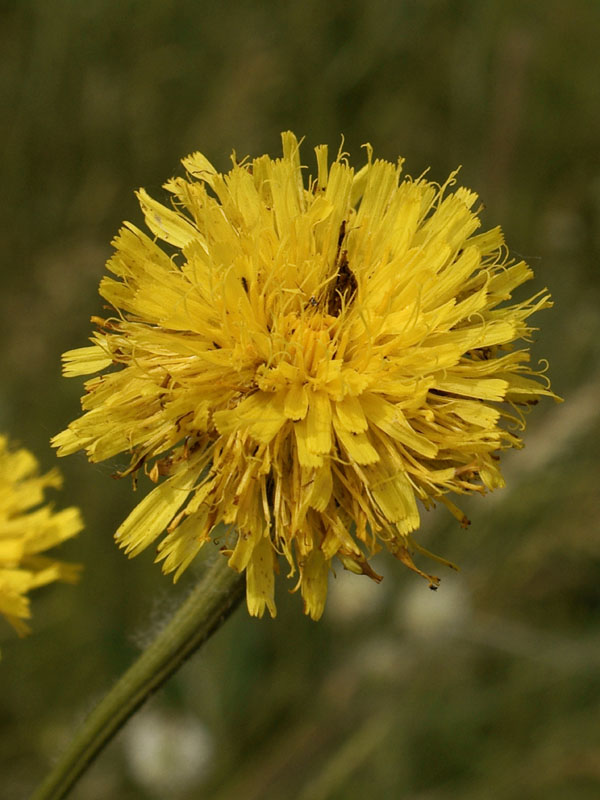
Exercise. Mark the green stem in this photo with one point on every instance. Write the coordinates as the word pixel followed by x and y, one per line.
pixel 218 593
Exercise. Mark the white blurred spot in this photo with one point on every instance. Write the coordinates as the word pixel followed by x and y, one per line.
pixel 167 753
pixel 428 613
pixel 382 658
pixel 351 597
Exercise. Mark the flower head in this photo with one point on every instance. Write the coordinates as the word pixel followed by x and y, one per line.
pixel 27 529
pixel 303 359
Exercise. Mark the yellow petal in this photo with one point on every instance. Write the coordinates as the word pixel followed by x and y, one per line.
pixel 322 487
pixel 394 495
pixel 296 402
pixel 178 549
pixel 357 445
pixel 318 423
pixel 350 414
pixel 260 579
pixel 242 552
pixel 199 167
pixel 391 420
pixel 85 360
pixel 165 223
pixel 306 457
pixel 313 586
pixel 475 413
pixel 482 388
pixel 152 515
pixel 261 414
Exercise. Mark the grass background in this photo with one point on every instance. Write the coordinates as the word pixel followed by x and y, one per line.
pixel 488 688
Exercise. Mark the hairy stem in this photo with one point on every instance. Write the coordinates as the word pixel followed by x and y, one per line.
pixel 216 596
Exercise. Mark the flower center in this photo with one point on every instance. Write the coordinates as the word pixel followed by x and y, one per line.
pixel 302 349
pixel 310 341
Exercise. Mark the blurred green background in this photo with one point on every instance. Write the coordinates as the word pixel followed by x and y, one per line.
pixel 487 688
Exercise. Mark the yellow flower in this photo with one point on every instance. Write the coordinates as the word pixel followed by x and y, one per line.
pixel 302 360
pixel 26 530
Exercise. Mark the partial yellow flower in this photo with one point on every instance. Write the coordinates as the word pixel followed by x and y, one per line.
pixel 27 529
pixel 303 359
